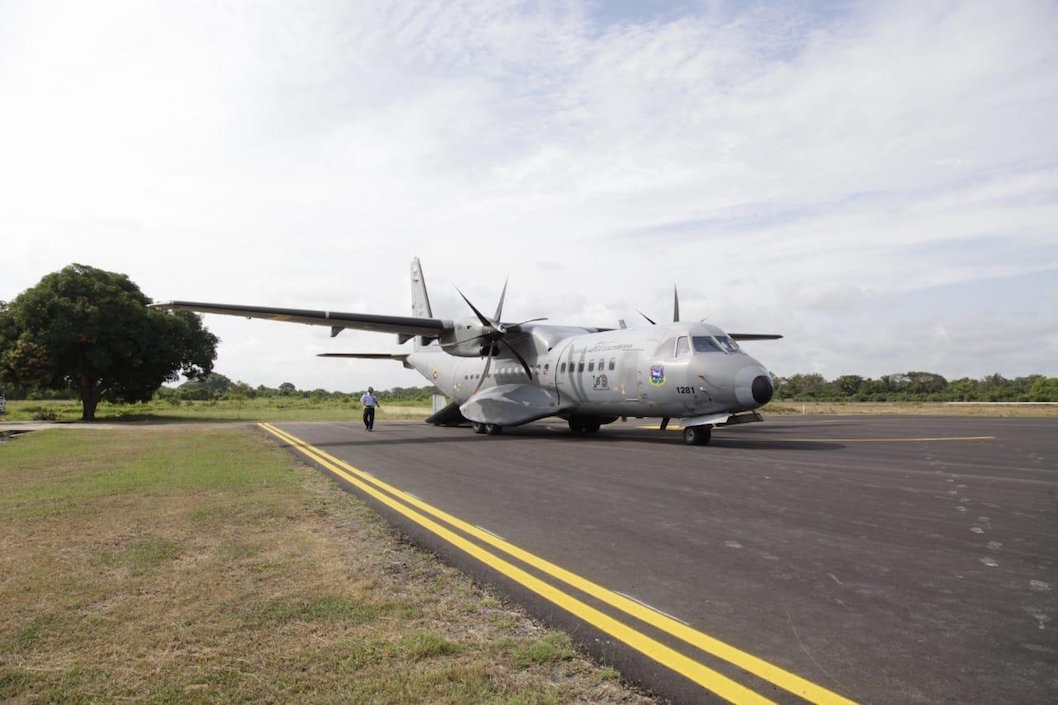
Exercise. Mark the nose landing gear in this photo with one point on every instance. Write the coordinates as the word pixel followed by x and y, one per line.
pixel 697 435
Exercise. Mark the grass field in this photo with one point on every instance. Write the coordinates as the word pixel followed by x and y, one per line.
pixel 922 408
pixel 298 409
pixel 204 564
pixel 269 409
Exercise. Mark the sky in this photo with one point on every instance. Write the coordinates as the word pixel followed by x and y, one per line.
pixel 878 182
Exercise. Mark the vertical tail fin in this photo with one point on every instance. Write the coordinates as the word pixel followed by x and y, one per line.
pixel 420 300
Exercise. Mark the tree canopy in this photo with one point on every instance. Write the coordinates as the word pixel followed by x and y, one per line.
pixel 91 330
pixel 916 386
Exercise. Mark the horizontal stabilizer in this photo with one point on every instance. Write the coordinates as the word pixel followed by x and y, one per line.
pixel 399 357
pixel 754 336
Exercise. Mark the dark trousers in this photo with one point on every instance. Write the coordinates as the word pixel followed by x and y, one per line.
pixel 369 417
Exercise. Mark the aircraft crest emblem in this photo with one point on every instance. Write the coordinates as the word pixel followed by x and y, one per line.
pixel 657 375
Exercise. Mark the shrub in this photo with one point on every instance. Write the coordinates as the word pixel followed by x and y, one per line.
pixel 42 413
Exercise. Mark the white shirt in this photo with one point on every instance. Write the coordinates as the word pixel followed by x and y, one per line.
pixel 369 399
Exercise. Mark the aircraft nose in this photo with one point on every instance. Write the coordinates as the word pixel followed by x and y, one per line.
pixel 762 389
pixel 753 386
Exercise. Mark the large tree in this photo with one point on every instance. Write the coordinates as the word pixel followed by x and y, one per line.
pixel 92 330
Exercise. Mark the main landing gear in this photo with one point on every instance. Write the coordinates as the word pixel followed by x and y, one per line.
pixel 583 425
pixel 491 429
pixel 697 435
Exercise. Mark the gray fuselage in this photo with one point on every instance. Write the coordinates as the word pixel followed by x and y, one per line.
pixel 671 370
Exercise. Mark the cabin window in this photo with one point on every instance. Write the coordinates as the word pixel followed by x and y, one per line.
pixel 612 363
pixel 591 366
pixel 580 367
pixel 562 368
pixel 547 366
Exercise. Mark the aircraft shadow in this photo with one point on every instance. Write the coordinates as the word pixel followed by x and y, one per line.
pixel 542 434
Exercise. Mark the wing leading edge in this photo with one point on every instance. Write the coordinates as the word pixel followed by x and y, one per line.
pixel 335 320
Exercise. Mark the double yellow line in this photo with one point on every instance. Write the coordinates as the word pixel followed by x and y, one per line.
pixel 420 512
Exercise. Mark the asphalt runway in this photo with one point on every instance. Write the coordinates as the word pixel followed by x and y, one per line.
pixel 873 559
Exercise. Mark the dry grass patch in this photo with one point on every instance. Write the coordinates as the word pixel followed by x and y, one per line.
pixel 924 408
pixel 205 565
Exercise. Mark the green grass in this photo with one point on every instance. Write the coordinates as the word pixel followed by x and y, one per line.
pixel 203 564
pixel 299 409
pixel 270 409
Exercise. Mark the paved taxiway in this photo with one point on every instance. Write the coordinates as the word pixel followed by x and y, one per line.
pixel 879 559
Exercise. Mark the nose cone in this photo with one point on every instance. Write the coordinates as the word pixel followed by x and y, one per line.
pixel 762 389
pixel 753 386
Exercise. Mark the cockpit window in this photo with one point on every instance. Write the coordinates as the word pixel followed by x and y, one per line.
pixel 664 351
pixel 682 346
pixel 704 343
pixel 727 343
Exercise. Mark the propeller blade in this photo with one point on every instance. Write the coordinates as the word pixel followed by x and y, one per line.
pixel 649 319
pixel 517 327
pixel 518 355
pixel 479 314
pixel 675 305
pixel 499 308
pixel 485 372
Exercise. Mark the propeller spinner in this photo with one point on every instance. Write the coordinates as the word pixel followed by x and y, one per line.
pixel 494 333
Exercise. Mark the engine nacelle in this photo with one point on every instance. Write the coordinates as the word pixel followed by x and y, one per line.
pixel 468 338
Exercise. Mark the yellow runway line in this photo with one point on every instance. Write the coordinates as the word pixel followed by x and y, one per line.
pixel 888 440
pixel 758 667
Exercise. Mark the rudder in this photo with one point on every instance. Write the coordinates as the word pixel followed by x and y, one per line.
pixel 420 300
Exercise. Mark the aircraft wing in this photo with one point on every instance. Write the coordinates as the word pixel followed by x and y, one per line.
pixel 336 320
pixel 754 336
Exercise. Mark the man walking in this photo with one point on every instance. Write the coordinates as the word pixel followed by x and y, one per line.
pixel 369 401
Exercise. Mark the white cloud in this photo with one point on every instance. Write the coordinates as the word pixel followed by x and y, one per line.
pixel 796 170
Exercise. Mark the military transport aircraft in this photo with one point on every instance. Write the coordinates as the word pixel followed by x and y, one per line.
pixel 507 374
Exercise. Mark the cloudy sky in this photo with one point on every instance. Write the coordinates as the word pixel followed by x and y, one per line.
pixel 876 181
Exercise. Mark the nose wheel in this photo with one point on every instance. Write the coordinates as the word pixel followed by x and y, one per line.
pixel 697 435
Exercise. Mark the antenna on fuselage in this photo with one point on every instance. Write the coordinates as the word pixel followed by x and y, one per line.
pixel 675 309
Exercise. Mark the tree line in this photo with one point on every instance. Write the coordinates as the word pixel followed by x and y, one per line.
pixel 85 333
pixel 217 387
pixel 916 386
pixel 908 386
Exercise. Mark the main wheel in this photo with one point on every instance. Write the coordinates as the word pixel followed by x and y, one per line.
pixel 478 427
pixel 697 435
pixel 493 429
pixel 592 426
pixel 576 425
